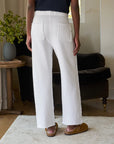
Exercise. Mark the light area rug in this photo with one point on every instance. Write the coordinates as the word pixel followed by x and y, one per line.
pixel 24 131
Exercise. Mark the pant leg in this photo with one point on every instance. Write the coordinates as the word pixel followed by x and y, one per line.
pixel 71 100
pixel 42 77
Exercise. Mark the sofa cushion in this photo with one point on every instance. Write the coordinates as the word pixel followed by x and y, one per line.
pixel 86 76
pixel 94 74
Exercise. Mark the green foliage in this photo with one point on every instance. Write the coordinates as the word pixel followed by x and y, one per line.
pixel 11 27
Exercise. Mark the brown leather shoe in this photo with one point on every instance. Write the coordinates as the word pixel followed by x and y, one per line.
pixel 54 133
pixel 80 128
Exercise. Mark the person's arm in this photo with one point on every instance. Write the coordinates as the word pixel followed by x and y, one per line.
pixel 30 15
pixel 76 23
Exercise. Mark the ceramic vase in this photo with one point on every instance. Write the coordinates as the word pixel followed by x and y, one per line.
pixel 9 51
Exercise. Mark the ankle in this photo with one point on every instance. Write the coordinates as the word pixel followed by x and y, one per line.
pixel 51 127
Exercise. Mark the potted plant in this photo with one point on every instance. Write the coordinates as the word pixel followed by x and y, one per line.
pixel 11 27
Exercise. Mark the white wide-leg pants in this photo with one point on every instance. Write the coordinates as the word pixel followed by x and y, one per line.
pixel 50 31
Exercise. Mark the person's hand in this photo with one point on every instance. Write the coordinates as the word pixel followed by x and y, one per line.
pixel 77 46
pixel 28 42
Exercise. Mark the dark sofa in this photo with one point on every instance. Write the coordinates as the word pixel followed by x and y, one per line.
pixel 93 76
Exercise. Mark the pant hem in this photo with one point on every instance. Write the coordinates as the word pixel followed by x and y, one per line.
pixel 72 123
pixel 46 126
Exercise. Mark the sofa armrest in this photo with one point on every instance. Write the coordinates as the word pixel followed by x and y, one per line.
pixel 90 61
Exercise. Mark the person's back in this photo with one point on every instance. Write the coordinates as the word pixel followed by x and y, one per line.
pixel 53 5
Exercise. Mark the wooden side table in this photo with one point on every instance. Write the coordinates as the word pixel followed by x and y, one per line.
pixel 9 65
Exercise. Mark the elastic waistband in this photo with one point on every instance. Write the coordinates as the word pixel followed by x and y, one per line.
pixel 55 13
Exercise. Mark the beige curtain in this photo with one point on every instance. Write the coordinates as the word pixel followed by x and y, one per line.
pixel 18 7
pixel 2 10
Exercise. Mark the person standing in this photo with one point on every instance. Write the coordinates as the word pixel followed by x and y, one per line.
pixel 48 29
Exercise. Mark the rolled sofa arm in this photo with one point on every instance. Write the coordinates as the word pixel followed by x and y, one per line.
pixel 90 61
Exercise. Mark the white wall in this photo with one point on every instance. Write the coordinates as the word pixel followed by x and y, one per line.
pixel 107 38
pixel 90 29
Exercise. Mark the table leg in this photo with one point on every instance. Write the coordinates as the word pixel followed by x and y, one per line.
pixel 9 95
pixel 0 88
pixel 9 88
